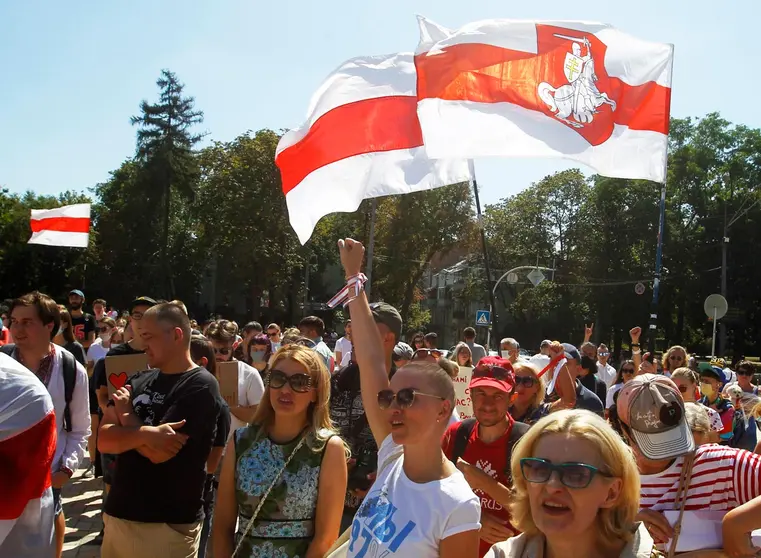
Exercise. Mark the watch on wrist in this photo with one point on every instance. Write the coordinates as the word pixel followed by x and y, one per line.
pixel 66 470
pixel 635 344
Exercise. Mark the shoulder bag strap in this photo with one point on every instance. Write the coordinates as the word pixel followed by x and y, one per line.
pixel 681 494
pixel 461 437
pixel 267 493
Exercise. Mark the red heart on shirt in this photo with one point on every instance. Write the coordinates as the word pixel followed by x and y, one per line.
pixel 118 380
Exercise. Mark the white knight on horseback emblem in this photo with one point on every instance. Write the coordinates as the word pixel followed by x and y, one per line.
pixel 576 102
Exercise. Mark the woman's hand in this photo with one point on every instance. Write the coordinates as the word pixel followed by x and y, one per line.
pixel 352 253
pixel 657 525
pixel 635 333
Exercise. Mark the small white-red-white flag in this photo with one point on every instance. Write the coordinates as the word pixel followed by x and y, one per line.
pixel 63 226
pixel 361 140
pixel 576 90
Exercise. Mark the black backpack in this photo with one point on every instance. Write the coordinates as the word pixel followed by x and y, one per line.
pixel 69 380
pixel 466 429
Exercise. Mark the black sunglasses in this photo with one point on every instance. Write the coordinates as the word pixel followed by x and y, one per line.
pixel 676 357
pixel 273 334
pixel 299 382
pixel 627 371
pixel 572 475
pixel 745 372
pixel 527 381
pixel 103 329
pixel 224 351
pixel 496 372
pixel 405 397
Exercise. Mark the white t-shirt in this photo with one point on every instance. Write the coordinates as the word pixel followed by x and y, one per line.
pixel 250 391
pixel 344 346
pixel 403 519
pixel 612 390
pixel 606 373
pixel 96 351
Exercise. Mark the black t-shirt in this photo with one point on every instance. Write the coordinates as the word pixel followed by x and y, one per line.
pixel 223 425
pixel 586 399
pixel 169 492
pixel 595 385
pixel 82 326
pixel 78 351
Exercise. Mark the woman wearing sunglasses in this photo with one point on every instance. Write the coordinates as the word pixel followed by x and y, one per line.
pixel 289 464
pixel 528 406
pixel 626 372
pixel 222 335
pixel 576 493
pixel 674 358
pixel 420 505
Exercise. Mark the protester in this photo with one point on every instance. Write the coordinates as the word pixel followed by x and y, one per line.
pixel 674 358
pixel 312 328
pixel 700 425
pixel 343 346
pixel 626 372
pixel 242 349
pixel 402 354
pixel 83 325
pixel 528 404
pixel 284 476
pixel 35 318
pixel 250 385
pixel 27 450
pixel 348 413
pixel 652 416
pixel 477 351
pixel 544 348
pixel 418 494
pixel 65 338
pixel 585 398
pixel 5 324
pixel 162 425
pixel 687 382
pixel 431 340
pixel 510 349
pixel 418 341
pixel 745 372
pixel 588 372
pixel 118 336
pixel 99 309
pixel 462 355
pixel 712 381
pixel 481 447
pixel 100 347
pixel 576 493
pixel 97 351
pixel 604 370
pixel 202 353
pixel 259 353
pixel 273 332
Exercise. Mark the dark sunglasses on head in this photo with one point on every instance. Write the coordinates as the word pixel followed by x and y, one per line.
pixel 527 381
pixel 224 351
pixel 572 475
pixel 420 354
pixel 404 397
pixel 299 382
pixel 496 372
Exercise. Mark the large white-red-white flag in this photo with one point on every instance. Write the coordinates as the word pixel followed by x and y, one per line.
pixel 63 226
pixel 361 140
pixel 577 90
pixel 27 447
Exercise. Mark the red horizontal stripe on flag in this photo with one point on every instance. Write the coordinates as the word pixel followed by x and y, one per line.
pixel 485 73
pixel 62 224
pixel 367 126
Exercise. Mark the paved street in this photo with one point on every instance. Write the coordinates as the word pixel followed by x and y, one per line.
pixel 81 505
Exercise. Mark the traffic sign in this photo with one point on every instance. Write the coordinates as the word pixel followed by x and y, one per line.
pixel 715 306
pixel 535 276
pixel 639 288
pixel 512 278
pixel 483 317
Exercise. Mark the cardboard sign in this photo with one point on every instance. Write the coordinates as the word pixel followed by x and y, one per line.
pixel 120 368
pixel 462 392
pixel 227 376
pixel 701 529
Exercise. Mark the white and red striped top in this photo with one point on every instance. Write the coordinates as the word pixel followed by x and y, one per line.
pixel 722 479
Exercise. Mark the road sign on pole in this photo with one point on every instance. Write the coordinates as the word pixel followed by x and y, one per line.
pixel 715 307
pixel 535 276
pixel 483 318
pixel 639 288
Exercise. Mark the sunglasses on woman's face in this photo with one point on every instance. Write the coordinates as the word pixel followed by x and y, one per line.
pixel 404 397
pixel 299 382
pixel 572 475
pixel 224 351
pixel 103 329
pixel 676 357
pixel 627 371
pixel 526 381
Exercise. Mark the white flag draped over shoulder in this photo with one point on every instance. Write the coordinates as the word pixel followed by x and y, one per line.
pixel 63 226
pixel 361 140
pixel 577 90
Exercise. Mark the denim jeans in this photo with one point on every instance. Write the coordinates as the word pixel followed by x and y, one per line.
pixel 210 493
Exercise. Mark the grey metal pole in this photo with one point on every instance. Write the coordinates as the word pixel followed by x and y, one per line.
pixel 306 283
pixel 724 246
pixel 371 250
pixel 493 314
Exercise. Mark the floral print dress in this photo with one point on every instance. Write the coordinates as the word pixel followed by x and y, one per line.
pixel 285 524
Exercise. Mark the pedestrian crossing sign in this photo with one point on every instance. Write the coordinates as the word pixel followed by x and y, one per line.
pixel 483 317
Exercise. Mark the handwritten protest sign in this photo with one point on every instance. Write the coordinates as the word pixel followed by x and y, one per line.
pixel 227 375
pixel 462 392
pixel 120 368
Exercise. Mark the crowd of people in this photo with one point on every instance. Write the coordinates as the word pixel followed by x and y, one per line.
pixel 360 451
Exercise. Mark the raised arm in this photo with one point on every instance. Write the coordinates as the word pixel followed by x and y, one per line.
pixel 368 346
pixel 634 334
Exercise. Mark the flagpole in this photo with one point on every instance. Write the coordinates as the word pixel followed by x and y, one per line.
pixel 371 249
pixel 657 278
pixel 479 218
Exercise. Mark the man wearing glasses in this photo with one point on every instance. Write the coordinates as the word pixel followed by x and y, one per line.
pixel 604 370
pixel 273 332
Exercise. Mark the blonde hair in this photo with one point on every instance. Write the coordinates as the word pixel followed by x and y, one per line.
pixel 687 373
pixel 456 353
pixel 756 412
pixel 320 427
pixel 534 371
pixel 697 418
pixel 616 522
pixel 667 354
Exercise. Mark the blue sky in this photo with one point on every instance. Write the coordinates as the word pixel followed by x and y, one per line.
pixel 74 72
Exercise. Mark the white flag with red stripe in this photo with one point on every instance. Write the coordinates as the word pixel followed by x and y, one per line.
pixel 361 140
pixel 576 90
pixel 63 226
pixel 27 446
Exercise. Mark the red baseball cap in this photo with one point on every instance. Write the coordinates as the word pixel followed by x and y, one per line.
pixel 496 372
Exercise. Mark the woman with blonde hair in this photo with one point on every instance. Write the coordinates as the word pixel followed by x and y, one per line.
pixel 576 492
pixel 528 405
pixel 675 357
pixel 687 381
pixel 285 474
pixel 462 355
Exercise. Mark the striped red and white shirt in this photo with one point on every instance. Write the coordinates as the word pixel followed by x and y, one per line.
pixel 722 479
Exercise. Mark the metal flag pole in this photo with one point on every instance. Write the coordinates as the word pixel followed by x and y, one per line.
pixel 371 249
pixel 657 277
pixel 480 220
